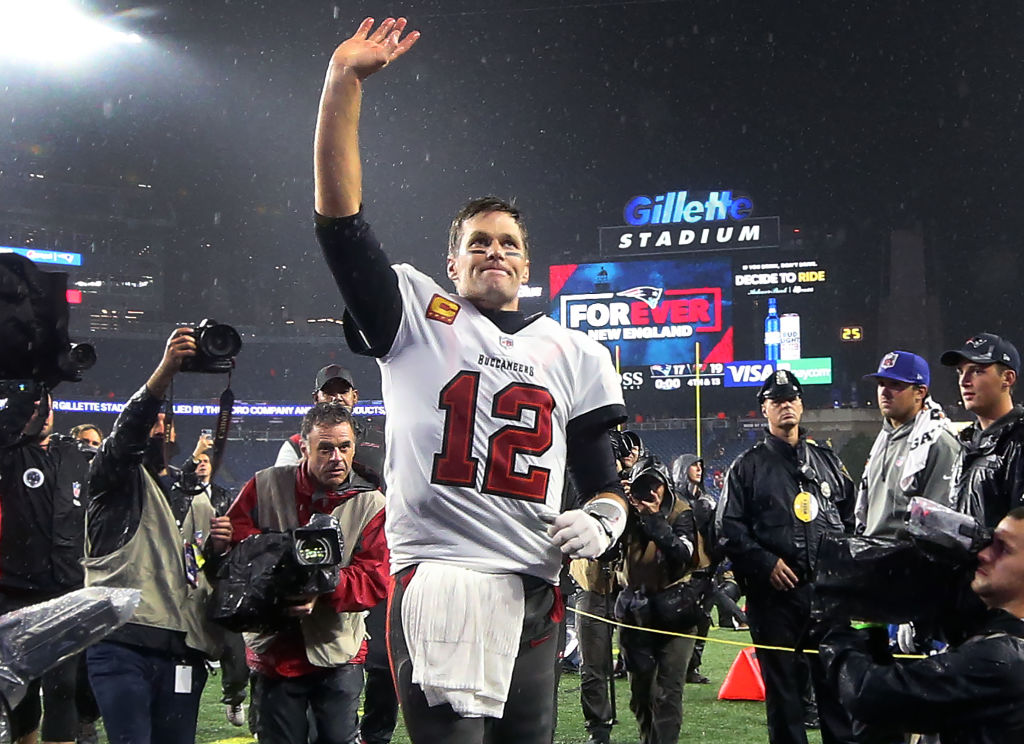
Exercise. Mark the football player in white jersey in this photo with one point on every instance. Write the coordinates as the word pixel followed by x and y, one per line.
pixel 486 408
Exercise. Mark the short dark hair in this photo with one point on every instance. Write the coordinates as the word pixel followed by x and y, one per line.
pixel 483 205
pixel 1016 513
pixel 330 413
pixel 75 431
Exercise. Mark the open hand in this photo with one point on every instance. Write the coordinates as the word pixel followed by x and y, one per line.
pixel 368 50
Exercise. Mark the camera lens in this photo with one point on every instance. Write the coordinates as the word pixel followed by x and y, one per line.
pixel 83 356
pixel 313 551
pixel 220 341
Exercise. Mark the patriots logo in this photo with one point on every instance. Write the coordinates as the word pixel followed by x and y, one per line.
pixel 977 342
pixel 650 296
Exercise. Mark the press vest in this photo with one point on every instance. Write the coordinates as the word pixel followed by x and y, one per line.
pixel 153 562
pixel 642 566
pixel 331 638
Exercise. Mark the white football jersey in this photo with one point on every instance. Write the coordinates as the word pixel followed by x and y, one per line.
pixel 476 430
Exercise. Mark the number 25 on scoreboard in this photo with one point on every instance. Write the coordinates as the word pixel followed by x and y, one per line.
pixel 852 333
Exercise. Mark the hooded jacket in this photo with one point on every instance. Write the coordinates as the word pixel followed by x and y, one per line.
pixel 700 501
pixel 989 474
pixel 658 547
pixel 883 509
pixel 970 695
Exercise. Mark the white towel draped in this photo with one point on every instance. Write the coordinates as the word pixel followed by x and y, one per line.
pixel 463 629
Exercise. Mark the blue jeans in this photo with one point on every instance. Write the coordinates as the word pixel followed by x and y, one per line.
pixel 134 688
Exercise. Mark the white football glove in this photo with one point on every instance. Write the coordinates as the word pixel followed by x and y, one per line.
pixel 588 532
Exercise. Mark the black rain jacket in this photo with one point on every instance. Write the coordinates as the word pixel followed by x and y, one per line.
pixel 970 695
pixel 989 474
pixel 756 522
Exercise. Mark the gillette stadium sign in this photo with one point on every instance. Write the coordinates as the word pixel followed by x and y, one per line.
pixel 680 221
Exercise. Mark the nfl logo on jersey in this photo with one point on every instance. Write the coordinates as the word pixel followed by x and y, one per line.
pixel 505 342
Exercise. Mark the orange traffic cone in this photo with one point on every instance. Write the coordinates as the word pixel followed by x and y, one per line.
pixel 744 681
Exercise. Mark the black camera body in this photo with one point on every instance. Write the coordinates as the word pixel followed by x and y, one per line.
pixel 35 352
pixel 217 345
pixel 908 578
pixel 254 585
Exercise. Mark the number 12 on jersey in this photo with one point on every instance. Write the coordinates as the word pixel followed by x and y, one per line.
pixel 455 464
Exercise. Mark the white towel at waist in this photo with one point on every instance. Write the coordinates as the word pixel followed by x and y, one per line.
pixel 463 628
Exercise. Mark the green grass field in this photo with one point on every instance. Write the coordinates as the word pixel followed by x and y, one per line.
pixel 705 718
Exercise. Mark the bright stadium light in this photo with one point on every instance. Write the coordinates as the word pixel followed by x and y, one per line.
pixel 54 32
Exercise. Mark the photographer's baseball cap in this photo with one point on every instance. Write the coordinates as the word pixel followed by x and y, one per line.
pixel 984 348
pixel 903 366
pixel 782 385
pixel 332 372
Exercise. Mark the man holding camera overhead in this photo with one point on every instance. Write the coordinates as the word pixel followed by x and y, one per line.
pixel 316 662
pixel 143 534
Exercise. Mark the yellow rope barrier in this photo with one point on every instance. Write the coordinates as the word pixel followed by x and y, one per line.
pixel 741 644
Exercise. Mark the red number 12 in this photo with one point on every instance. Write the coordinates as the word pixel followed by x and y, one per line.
pixel 455 465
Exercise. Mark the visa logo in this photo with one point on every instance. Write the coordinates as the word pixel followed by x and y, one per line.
pixel 747 374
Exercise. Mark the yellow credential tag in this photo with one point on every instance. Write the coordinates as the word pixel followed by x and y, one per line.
pixel 805 506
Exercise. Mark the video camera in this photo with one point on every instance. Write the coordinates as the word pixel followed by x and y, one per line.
pixel 35 351
pixel 260 575
pixel 906 578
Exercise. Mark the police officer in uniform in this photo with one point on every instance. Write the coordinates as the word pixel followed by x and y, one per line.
pixel 780 497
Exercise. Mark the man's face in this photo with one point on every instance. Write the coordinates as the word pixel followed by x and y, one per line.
pixel 203 468
pixel 899 401
pixel 999 578
pixel 982 386
pixel 339 390
pixel 695 472
pixel 630 458
pixel 783 415
pixel 491 262
pixel 329 451
pixel 90 437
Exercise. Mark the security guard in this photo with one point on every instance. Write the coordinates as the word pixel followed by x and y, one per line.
pixel 780 497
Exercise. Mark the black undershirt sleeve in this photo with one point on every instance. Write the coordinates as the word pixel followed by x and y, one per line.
pixel 368 284
pixel 592 464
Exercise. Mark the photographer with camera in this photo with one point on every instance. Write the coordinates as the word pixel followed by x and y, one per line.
pixel 316 661
pixel 197 470
pixel 661 549
pixel 43 479
pixel 598 589
pixel 969 695
pixel 781 497
pixel 143 534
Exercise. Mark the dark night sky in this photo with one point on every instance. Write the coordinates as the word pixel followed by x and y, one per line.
pixel 861 117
